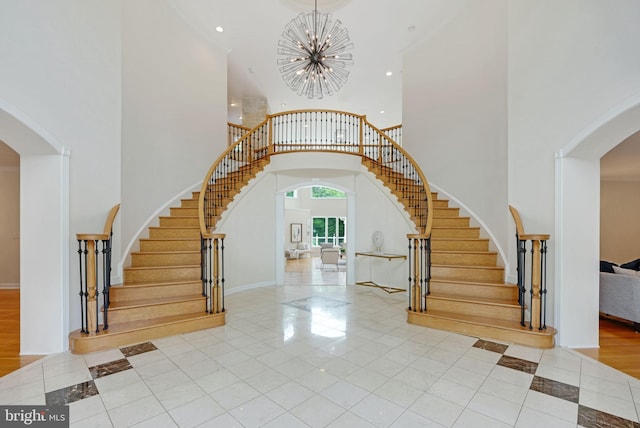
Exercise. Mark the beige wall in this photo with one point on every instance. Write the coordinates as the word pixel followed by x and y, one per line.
pixel 619 221
pixel 9 227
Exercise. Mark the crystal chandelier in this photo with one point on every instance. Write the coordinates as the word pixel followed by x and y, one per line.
pixel 312 54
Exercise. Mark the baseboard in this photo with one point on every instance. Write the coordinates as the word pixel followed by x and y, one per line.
pixel 9 285
pixel 246 287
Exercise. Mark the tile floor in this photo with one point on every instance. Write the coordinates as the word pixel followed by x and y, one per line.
pixel 334 356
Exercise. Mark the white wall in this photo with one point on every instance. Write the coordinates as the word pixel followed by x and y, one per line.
pixel 250 223
pixel 571 64
pixel 572 89
pixel 454 111
pixel 619 224
pixel 60 95
pixel 173 110
pixel 9 227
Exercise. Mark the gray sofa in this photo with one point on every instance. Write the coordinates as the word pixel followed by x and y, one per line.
pixel 620 297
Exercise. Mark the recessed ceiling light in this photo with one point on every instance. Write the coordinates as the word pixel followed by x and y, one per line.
pixel 389 73
pixel 283 105
pixel 219 29
pixel 381 111
pixel 233 104
pixel 240 117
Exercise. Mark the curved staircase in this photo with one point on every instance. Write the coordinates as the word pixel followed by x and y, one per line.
pixel 468 294
pixel 162 293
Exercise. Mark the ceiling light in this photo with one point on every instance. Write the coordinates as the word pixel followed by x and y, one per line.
pixel 389 73
pixel 381 111
pixel 232 104
pixel 312 54
pixel 219 29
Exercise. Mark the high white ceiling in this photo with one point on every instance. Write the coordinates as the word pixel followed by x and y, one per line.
pixel 381 31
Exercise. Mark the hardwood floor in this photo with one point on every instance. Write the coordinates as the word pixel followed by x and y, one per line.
pixel 619 346
pixel 619 343
pixel 10 358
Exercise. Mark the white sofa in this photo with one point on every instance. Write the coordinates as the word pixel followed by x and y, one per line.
pixel 620 296
pixel 298 251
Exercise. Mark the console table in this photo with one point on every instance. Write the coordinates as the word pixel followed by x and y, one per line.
pixel 372 283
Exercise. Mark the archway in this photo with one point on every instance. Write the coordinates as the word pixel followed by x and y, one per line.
pixel 577 222
pixel 44 233
pixel 280 225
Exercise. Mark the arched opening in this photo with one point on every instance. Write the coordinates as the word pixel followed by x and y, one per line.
pixel 578 223
pixel 316 236
pixel 44 234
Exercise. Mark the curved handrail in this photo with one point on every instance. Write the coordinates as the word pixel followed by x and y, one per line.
pixel 305 131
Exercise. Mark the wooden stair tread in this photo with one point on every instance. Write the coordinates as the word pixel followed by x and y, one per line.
pixel 152 302
pixel 455 282
pixel 165 252
pixel 161 267
pixel 154 284
pixel 468 267
pixel 137 325
pixel 463 252
pixel 474 299
pixel 490 322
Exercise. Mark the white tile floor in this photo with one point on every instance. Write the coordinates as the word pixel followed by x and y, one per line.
pixel 329 356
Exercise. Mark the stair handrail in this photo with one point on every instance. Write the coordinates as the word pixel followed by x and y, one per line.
pixel 90 280
pixel 304 131
pixel 538 280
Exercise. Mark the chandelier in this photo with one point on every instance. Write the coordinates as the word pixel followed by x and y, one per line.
pixel 312 56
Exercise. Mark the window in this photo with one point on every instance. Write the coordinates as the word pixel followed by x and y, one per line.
pixel 291 194
pixel 329 229
pixel 318 192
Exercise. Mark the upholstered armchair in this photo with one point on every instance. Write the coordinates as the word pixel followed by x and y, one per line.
pixel 329 256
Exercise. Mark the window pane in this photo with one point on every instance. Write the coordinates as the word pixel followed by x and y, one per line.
pixel 326 192
pixel 318 230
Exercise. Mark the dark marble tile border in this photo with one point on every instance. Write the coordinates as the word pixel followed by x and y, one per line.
pixel 491 346
pixel 518 364
pixel 140 348
pixel 591 418
pixel 307 303
pixel 112 367
pixel 71 394
pixel 556 389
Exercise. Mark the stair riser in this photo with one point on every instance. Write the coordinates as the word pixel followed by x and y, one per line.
pixel 147 312
pixel 459 245
pixel 468 274
pixel 440 203
pixel 189 203
pixel 169 245
pixel 171 259
pixel 451 222
pixel 545 341
pixel 501 292
pixel 474 308
pixel 446 213
pixel 445 232
pixel 83 344
pixel 462 259
pixel 163 232
pixel 147 275
pixel 132 293
pixel 184 212
pixel 179 222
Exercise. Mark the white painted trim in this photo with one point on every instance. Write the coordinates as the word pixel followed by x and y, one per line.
pixel 64 239
pixel 557 277
pixel 246 287
pixel 597 126
pixel 482 224
pixel 153 217
pixel 32 125
pixel 9 285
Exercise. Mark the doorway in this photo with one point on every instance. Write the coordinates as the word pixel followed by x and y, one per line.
pixel 316 216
